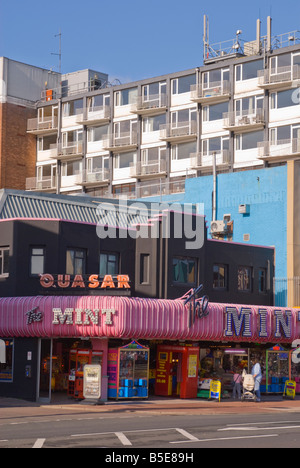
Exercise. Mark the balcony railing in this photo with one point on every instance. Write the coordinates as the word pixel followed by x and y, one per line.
pixel 244 120
pixel 45 183
pixel 217 92
pixel 96 178
pixel 183 131
pixel 100 114
pixel 281 150
pixel 121 142
pixel 152 168
pixel 204 160
pixel 47 125
pixel 70 151
pixel 282 76
pixel 156 103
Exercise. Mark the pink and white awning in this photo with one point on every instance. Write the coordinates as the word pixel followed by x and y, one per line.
pixel 123 317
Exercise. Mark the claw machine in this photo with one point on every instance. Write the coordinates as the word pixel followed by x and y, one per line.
pixel 128 371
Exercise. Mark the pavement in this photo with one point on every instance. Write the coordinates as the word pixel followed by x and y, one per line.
pixel 14 408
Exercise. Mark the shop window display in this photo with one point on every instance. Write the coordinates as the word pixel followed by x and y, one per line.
pixel 222 364
pixel 6 368
pixel 128 371
pixel 277 372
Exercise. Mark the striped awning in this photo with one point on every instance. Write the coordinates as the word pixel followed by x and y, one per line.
pixel 143 318
pixel 19 204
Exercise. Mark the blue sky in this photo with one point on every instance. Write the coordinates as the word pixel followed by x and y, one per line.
pixel 132 39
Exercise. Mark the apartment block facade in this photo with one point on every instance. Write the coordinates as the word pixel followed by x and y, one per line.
pixel 20 88
pixel 145 138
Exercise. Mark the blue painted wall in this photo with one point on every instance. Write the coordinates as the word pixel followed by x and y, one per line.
pixel 265 191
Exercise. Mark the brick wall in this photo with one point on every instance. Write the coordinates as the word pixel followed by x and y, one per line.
pixel 17 148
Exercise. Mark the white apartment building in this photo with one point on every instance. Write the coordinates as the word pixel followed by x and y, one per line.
pixel 241 109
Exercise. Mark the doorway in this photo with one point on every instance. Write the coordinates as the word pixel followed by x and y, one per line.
pixel 45 349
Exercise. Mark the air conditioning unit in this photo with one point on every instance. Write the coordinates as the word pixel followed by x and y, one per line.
pixel 244 209
pixel 218 227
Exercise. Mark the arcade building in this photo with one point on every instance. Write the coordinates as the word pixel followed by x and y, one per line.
pixel 131 303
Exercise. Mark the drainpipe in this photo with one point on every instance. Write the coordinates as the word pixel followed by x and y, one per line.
pixel 214 208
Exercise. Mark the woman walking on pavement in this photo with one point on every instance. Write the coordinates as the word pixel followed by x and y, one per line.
pixel 256 372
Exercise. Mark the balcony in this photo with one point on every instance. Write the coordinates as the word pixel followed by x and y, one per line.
pixel 246 120
pixel 121 142
pixel 183 131
pixel 73 150
pixel 204 161
pixel 97 178
pixel 42 127
pixel 282 150
pixel 217 92
pixel 155 104
pixel 45 184
pixel 142 170
pixel 97 115
pixel 282 77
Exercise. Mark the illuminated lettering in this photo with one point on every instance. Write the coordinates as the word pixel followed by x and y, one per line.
pixel 108 313
pixel 235 322
pixel 286 326
pixel 263 315
pixel 108 282
pixel 60 317
pixel 81 316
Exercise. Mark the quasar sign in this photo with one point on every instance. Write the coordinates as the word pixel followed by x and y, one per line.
pixel 85 281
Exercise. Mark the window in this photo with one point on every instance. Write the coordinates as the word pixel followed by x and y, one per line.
pixel 288 98
pixel 249 140
pixel 72 139
pixel 216 145
pixel 183 151
pixel 220 276
pixel 152 124
pixel 6 368
pixel 183 84
pixel 72 107
pixel 214 77
pixel 125 97
pixel 184 270
pixel 97 133
pixel 97 164
pixel 70 168
pixel 126 189
pixel 4 261
pixel 144 269
pixel 249 105
pixel 75 262
pixel 280 64
pixel 98 102
pixel 37 260
pixel 215 112
pixel 262 280
pixel 152 155
pixel 184 118
pixel 109 264
pixel 282 135
pixel 249 70
pixel 155 92
pixel 46 172
pixel 47 142
pixel 124 160
pixel 244 278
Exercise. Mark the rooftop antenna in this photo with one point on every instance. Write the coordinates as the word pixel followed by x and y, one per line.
pixel 205 37
pixel 59 53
